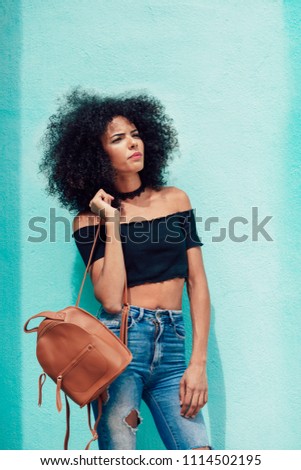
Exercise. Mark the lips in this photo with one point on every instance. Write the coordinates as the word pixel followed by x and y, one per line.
pixel 136 155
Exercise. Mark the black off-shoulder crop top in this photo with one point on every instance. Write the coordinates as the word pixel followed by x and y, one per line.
pixel 154 250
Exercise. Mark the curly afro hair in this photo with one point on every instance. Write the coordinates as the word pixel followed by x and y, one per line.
pixel 73 160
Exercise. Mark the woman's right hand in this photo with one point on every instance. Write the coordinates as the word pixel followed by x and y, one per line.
pixel 100 204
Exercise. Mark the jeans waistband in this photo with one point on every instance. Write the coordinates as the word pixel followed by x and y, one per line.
pixel 143 310
pixel 138 312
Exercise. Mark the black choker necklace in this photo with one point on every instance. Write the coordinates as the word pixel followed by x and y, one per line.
pixel 131 194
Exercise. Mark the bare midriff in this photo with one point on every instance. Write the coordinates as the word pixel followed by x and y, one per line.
pixel 165 294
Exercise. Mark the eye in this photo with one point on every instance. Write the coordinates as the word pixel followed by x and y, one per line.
pixel 116 140
pixel 137 135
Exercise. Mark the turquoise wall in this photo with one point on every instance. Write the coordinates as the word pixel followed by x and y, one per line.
pixel 228 72
pixel 10 238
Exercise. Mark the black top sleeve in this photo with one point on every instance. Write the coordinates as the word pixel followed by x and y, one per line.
pixel 84 238
pixel 192 238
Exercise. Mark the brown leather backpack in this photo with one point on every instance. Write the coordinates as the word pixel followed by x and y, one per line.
pixel 80 354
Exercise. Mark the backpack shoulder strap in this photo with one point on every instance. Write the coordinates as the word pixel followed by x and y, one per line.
pixel 93 430
pixel 67 435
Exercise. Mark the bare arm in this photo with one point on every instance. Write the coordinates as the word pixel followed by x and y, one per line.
pixel 193 385
pixel 107 273
pixel 198 293
pixel 108 279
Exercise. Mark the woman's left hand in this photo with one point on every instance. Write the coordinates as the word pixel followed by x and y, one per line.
pixel 193 390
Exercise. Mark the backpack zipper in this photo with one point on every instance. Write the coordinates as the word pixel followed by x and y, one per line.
pixel 66 370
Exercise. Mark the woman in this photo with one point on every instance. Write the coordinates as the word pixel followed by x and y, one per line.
pixel 105 158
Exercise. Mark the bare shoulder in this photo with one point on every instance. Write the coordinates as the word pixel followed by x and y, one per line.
pixel 180 198
pixel 85 218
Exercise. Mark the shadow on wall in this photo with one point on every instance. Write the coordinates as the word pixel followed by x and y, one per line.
pixel 217 393
pixel 291 233
pixel 11 330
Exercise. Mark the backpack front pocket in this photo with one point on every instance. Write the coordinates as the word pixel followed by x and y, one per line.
pixel 83 371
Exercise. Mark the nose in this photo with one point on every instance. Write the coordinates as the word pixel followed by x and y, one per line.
pixel 132 142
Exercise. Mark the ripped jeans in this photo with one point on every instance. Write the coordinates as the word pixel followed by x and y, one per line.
pixel 156 339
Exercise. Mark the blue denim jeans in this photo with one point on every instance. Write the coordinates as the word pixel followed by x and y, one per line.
pixel 156 339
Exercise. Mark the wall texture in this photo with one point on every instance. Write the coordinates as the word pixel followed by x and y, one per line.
pixel 227 72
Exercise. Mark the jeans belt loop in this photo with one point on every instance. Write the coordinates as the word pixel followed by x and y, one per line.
pixel 171 317
pixel 141 313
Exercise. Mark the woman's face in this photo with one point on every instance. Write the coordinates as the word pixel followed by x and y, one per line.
pixel 123 145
